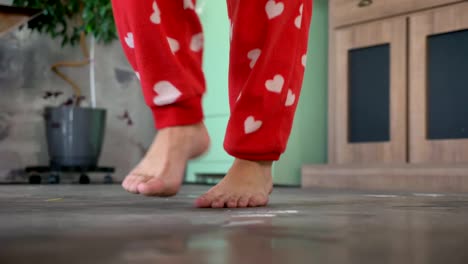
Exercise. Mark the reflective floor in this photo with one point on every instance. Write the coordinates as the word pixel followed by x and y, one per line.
pixel 103 224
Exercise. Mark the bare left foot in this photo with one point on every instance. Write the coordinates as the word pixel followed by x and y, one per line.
pixel 247 184
pixel 161 171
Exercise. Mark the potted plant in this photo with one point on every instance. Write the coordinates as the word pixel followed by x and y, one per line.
pixel 74 133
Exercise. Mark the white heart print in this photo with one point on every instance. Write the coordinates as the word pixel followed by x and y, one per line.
pixel 167 93
pixel 298 20
pixel 173 44
pixel 196 44
pixel 251 125
pixel 253 55
pixel 188 4
pixel 274 9
pixel 291 98
pixel 156 16
pixel 129 40
pixel 275 85
pixel 304 60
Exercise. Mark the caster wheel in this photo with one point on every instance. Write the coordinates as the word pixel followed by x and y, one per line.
pixel 53 179
pixel 84 179
pixel 35 179
pixel 108 179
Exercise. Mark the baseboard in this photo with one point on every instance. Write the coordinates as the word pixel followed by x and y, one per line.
pixel 411 178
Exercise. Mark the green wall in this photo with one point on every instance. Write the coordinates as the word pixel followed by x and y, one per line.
pixel 308 139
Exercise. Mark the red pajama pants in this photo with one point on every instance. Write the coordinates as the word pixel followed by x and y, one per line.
pixel 163 41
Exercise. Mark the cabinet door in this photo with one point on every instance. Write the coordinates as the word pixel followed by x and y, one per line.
pixel 439 85
pixel 369 93
pixel 355 11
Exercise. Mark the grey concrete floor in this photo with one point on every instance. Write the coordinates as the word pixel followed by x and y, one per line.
pixel 104 224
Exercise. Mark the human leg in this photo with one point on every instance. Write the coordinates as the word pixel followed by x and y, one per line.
pixel 267 62
pixel 163 42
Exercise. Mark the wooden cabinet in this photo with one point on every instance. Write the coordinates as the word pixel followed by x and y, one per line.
pixel 398 111
pixel 371 73
pixel 347 12
pixel 399 88
pixel 438 87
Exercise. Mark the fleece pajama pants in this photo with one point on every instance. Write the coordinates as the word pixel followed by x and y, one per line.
pixel 163 41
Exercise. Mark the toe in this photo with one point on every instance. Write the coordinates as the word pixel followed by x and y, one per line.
pixel 219 202
pixel 137 179
pixel 205 200
pixel 258 200
pixel 243 201
pixel 232 202
pixel 152 187
pixel 128 183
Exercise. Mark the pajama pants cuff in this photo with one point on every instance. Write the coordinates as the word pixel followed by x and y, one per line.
pixel 271 156
pixel 182 113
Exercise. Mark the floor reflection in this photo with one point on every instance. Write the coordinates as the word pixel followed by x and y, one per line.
pixel 102 225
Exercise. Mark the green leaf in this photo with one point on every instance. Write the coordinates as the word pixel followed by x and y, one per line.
pixel 60 19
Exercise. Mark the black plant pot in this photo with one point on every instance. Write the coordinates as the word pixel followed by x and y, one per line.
pixel 74 135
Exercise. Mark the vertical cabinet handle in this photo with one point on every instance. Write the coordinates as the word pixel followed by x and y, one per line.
pixel 365 3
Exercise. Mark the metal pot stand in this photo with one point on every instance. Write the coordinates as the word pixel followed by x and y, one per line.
pixel 54 173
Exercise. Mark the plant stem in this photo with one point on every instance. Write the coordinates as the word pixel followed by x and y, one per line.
pixel 92 71
pixel 86 61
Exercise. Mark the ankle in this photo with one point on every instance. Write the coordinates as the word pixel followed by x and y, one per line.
pixel 262 163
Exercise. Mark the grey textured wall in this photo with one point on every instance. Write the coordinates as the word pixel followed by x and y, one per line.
pixel 25 60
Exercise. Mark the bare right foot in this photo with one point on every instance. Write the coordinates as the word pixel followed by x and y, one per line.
pixel 161 171
pixel 247 184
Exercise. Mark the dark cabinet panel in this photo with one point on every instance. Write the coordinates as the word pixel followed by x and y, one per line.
pixel 447 85
pixel 369 94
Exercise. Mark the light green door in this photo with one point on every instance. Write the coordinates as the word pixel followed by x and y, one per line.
pixel 215 65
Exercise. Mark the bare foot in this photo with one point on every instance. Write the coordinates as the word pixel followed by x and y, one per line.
pixel 161 171
pixel 247 184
